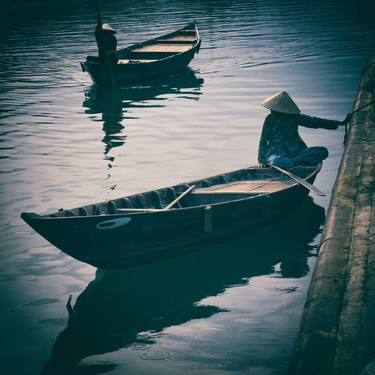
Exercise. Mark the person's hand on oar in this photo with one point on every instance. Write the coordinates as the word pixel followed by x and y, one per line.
pixel 346 121
pixel 350 115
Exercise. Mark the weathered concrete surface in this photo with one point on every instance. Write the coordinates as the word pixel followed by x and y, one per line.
pixel 337 330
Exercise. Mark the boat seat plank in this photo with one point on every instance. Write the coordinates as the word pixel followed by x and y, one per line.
pixel 180 38
pixel 133 61
pixel 148 55
pixel 164 47
pixel 246 187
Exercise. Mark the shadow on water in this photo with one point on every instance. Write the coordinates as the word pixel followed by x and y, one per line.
pixel 119 308
pixel 114 103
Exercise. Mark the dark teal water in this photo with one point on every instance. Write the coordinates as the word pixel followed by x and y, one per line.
pixel 230 309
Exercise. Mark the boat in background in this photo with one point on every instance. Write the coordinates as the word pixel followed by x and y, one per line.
pixel 145 226
pixel 148 60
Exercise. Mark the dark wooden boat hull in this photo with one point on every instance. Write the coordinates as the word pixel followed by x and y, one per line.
pixel 107 74
pixel 118 239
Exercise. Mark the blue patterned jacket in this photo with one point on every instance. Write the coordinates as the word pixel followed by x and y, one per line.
pixel 280 133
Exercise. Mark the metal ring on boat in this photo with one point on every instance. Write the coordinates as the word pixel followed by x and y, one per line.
pixel 113 223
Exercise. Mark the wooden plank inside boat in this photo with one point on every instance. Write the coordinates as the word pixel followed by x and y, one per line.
pixel 179 38
pixel 133 61
pixel 163 47
pixel 246 187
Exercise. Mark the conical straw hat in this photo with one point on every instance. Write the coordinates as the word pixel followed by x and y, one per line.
pixel 281 102
pixel 108 27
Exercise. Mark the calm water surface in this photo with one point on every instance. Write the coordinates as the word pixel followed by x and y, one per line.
pixel 230 309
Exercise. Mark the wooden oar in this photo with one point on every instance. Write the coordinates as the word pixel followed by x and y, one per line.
pixel 122 210
pixel 170 205
pixel 99 18
pixel 299 180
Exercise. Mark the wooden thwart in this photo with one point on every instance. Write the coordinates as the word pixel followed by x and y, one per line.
pixel 164 47
pixel 133 61
pixel 246 187
pixel 180 38
pixel 125 210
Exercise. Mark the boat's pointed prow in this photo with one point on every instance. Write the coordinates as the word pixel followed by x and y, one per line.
pixel 29 216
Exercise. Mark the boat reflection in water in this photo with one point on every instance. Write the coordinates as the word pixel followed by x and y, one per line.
pixel 119 307
pixel 113 103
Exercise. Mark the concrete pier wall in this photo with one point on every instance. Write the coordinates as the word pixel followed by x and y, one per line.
pixel 337 330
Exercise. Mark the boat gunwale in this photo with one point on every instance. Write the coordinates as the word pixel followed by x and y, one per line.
pixel 150 41
pixel 162 211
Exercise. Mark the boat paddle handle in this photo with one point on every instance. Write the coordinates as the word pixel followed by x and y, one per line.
pixel 170 205
pixel 99 18
pixel 301 181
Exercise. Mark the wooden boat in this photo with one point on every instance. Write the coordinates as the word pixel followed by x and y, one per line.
pixel 144 61
pixel 139 228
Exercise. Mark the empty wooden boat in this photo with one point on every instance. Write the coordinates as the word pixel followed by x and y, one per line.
pixel 148 60
pixel 144 226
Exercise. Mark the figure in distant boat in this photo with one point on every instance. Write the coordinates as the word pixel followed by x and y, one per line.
pixel 106 41
pixel 280 143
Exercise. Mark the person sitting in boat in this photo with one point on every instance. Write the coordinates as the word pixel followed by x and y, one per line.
pixel 107 42
pixel 280 144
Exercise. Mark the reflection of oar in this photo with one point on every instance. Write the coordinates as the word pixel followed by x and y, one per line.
pixel 170 205
pixel 299 180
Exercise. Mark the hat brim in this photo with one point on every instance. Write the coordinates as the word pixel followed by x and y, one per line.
pixel 281 102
